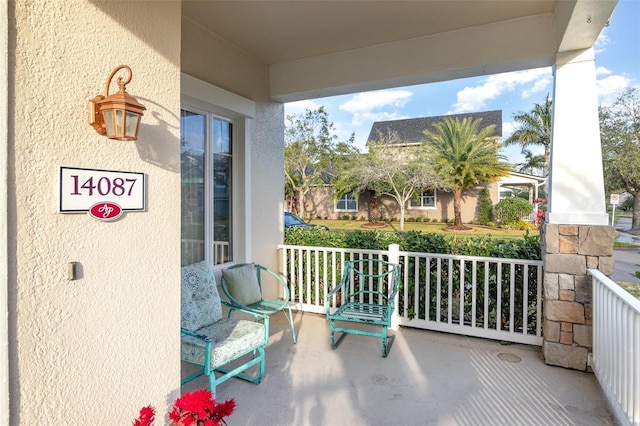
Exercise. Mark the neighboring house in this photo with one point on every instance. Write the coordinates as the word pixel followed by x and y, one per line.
pixel 510 186
pixel 411 130
pixel 429 204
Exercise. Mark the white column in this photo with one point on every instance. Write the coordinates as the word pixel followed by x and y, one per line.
pixel 576 182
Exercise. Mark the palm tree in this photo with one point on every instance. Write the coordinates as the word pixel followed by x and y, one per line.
pixel 533 162
pixel 535 129
pixel 465 156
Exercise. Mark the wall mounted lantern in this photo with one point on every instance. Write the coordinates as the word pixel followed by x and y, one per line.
pixel 117 115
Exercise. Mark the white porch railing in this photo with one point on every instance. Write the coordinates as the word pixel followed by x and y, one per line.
pixel 193 251
pixel 477 296
pixel 616 347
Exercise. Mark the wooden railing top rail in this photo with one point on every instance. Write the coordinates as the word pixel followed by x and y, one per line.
pixel 616 289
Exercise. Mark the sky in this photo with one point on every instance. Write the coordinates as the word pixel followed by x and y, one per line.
pixel 617 52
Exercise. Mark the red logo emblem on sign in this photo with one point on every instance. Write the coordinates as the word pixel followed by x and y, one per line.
pixel 105 211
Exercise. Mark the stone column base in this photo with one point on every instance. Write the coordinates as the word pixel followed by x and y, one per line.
pixel 567 252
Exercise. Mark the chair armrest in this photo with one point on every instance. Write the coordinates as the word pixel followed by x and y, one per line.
pixel 244 309
pixel 344 283
pixel 190 333
pixel 396 284
pixel 334 291
pixel 285 289
pixel 327 300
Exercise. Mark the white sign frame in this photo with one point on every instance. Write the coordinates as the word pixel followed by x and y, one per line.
pixel 81 188
pixel 614 199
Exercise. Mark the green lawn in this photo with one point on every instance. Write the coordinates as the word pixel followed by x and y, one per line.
pixel 350 225
pixel 632 288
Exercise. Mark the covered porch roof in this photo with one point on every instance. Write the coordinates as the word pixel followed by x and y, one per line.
pixel 316 49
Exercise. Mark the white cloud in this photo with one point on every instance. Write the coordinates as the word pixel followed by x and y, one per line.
pixel 539 86
pixel 602 41
pixel 364 102
pixel 475 98
pixel 603 71
pixel 293 108
pixel 380 116
pixel 507 128
pixel 374 106
pixel 610 87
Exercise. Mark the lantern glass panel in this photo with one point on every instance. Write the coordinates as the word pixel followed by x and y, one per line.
pixel 131 124
pixel 108 121
pixel 119 123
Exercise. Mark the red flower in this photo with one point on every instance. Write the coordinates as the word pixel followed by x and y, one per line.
pixel 226 408
pixel 146 417
pixel 189 420
pixel 198 408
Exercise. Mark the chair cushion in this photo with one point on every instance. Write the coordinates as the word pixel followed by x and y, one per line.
pixel 242 284
pixel 230 338
pixel 200 301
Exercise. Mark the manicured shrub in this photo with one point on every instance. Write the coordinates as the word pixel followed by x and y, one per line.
pixel 526 248
pixel 511 210
pixel 485 207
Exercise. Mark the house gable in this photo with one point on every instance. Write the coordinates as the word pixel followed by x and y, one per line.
pixel 411 130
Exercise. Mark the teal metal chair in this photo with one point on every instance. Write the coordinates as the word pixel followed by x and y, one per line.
pixel 242 285
pixel 366 295
pixel 212 342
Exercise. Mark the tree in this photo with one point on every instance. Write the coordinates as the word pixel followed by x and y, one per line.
pixel 485 207
pixel 535 129
pixel 390 168
pixel 313 155
pixel 533 163
pixel 620 138
pixel 465 156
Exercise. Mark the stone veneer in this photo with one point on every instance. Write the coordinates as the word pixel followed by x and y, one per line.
pixel 568 251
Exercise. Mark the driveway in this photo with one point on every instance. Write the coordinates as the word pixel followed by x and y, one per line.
pixel 627 260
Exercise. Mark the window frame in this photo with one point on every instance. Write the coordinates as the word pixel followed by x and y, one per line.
pixel 346 200
pixel 200 96
pixel 421 198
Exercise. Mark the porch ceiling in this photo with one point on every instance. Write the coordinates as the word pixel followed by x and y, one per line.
pixel 321 48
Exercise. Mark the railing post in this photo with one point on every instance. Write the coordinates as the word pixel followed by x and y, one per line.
pixel 394 257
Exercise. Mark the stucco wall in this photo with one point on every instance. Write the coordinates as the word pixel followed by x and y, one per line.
pixel 96 349
pixel 320 204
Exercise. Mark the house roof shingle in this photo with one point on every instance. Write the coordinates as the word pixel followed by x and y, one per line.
pixel 410 130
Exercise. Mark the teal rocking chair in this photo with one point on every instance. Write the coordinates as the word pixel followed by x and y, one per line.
pixel 366 295
pixel 212 342
pixel 243 283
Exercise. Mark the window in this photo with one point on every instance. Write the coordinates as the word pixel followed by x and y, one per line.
pixel 505 194
pixel 216 194
pixel 425 200
pixel 206 143
pixel 347 203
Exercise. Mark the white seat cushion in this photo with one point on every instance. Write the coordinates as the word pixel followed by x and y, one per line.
pixel 229 339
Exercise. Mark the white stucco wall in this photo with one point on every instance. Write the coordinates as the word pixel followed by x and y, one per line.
pixel 96 349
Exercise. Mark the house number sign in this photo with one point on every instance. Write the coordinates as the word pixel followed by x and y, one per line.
pixel 103 194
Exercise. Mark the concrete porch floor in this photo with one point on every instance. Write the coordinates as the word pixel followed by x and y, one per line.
pixel 429 378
